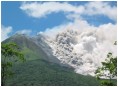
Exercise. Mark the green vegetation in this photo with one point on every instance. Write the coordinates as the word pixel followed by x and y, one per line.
pixel 29 48
pixel 41 72
pixel 10 53
pixel 109 66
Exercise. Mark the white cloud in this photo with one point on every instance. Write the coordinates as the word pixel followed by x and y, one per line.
pixel 39 9
pixel 25 31
pixel 91 44
pixel 79 24
pixel 52 32
pixel 95 8
pixel 5 32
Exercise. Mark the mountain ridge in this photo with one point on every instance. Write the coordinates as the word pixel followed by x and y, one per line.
pixel 34 45
pixel 40 70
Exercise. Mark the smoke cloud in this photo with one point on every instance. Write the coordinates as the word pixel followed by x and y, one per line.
pixel 78 43
pixel 84 49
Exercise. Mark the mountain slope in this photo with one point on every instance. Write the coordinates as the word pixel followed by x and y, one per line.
pixel 31 50
pixel 43 73
pixel 39 69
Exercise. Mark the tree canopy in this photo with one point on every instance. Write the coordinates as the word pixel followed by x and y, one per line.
pixel 10 53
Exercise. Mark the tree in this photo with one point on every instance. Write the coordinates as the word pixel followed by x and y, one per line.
pixel 108 69
pixel 10 54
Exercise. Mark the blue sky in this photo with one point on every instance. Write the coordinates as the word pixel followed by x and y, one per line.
pixel 21 17
pixel 13 16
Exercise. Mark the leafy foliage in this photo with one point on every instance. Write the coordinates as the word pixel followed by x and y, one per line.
pixel 108 69
pixel 109 66
pixel 10 53
pixel 106 83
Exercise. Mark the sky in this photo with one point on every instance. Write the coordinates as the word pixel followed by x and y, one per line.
pixel 32 18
